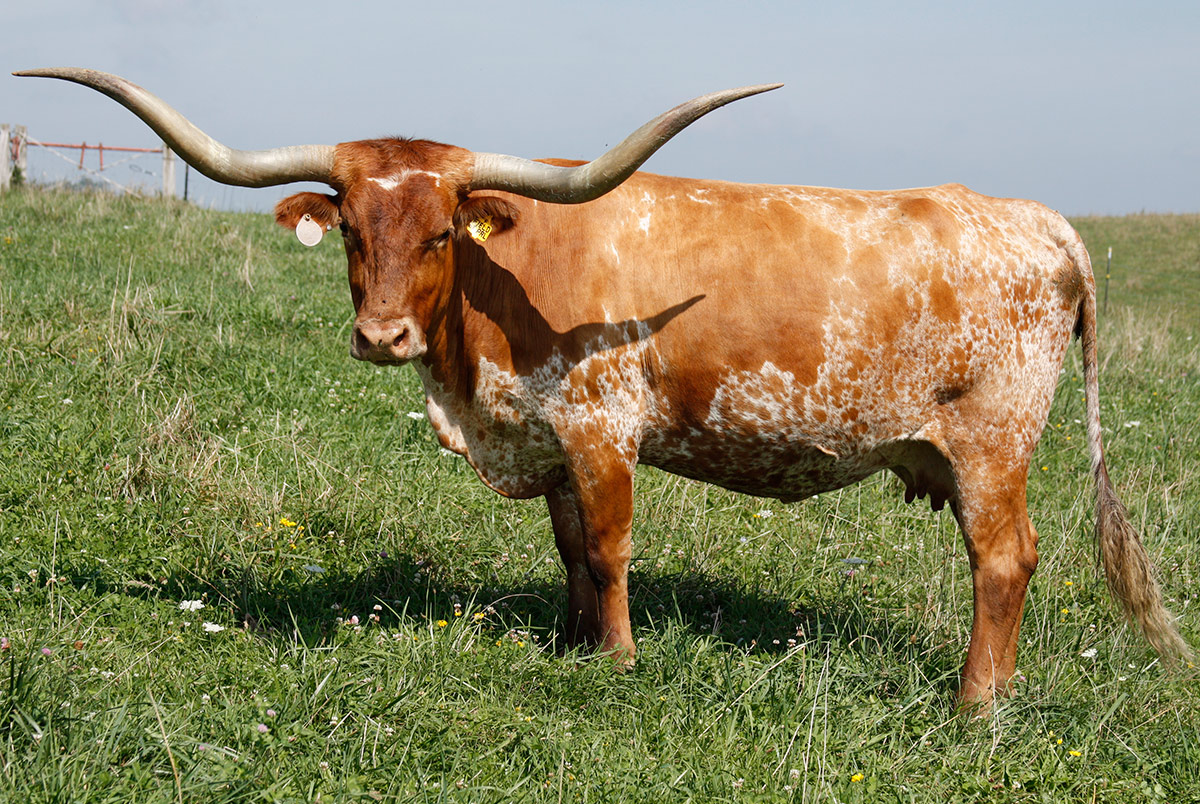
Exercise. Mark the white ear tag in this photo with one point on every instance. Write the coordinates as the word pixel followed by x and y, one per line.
pixel 309 231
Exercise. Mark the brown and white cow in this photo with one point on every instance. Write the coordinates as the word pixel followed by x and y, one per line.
pixel 778 341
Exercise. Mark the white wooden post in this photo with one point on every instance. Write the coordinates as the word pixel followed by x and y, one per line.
pixel 22 137
pixel 168 172
pixel 5 167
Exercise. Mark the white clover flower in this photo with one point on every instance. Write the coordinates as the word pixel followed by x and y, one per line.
pixel 191 605
pixel 1090 653
pixel 213 628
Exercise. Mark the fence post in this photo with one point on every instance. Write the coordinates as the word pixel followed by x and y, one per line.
pixel 1107 274
pixel 22 137
pixel 168 172
pixel 5 150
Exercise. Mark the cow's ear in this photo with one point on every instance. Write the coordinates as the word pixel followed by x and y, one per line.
pixel 481 217
pixel 311 215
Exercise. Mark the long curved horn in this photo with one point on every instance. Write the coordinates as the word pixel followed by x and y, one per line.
pixel 574 185
pixel 218 162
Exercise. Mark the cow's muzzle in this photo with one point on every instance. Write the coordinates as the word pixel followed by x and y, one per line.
pixel 387 340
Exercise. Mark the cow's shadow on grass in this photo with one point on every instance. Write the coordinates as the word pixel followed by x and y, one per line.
pixel 398 592
pixel 403 591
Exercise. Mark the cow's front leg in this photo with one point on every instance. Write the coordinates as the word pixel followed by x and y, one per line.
pixel 583 616
pixel 602 485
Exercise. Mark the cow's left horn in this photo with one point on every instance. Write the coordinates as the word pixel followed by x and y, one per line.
pixel 218 162
pixel 574 185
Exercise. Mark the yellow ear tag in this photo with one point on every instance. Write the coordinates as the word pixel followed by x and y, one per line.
pixel 480 228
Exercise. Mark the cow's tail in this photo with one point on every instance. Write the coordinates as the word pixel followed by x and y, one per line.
pixel 1127 566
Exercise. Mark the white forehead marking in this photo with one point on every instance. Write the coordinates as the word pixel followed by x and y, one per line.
pixel 396 179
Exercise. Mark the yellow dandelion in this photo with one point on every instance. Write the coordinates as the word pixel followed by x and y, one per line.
pixel 1045 468
pixel 1058 741
pixel 442 623
pixel 1066 611
pixel 1075 753
pixel 858 777
pixel 479 615
pixel 457 613
pixel 1068 583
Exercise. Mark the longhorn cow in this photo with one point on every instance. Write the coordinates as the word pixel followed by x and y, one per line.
pixel 777 341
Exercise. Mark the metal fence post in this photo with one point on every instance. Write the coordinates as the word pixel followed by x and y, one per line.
pixel 1107 276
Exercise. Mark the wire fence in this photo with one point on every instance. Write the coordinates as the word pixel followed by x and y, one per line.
pixel 144 171
pixel 119 169
pixel 135 172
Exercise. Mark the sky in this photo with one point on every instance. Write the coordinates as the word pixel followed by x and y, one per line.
pixel 1088 107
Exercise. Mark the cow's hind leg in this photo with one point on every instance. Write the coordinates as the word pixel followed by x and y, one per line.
pixel 583 622
pixel 1002 548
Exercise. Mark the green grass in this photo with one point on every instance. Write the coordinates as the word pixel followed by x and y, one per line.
pixel 180 421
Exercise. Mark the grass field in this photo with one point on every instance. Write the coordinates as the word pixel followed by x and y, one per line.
pixel 235 566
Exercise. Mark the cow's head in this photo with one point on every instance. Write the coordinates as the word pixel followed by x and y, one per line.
pixel 395 205
pixel 400 204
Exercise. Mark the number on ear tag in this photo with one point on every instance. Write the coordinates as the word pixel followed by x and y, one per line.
pixel 309 231
pixel 480 228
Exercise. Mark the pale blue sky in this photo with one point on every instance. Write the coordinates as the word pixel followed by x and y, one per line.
pixel 1087 107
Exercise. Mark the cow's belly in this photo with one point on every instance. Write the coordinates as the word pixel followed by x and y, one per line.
pixel 765 464
pixel 767 432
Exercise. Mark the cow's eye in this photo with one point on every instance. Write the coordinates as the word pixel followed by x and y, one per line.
pixel 438 240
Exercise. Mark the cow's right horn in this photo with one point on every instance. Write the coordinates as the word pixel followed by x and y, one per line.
pixel 218 162
pixel 574 185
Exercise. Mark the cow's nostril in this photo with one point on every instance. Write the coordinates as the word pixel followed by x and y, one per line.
pixel 401 337
pixel 361 342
